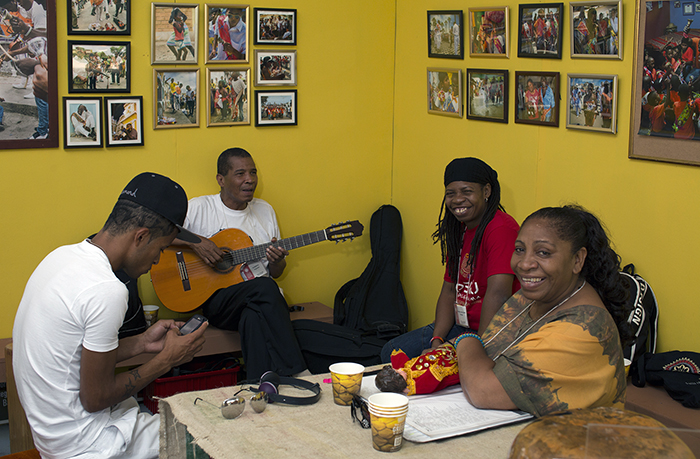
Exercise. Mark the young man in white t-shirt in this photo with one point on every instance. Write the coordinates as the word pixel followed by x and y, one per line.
pixel 256 307
pixel 65 334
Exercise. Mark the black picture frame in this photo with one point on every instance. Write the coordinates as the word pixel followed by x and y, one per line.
pixel 82 122
pixel 272 37
pixel 43 111
pixel 117 22
pixel 123 121
pixel 536 112
pixel 436 34
pixel 487 100
pixel 86 60
pixel 286 101
pixel 547 44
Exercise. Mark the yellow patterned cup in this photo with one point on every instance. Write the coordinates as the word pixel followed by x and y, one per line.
pixel 347 380
pixel 387 413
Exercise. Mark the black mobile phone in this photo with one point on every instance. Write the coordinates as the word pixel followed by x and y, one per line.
pixel 194 323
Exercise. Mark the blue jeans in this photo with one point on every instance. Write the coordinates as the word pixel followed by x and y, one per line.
pixel 43 109
pixel 414 342
pixel 2 113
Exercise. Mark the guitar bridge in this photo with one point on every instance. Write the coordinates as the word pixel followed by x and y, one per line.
pixel 182 269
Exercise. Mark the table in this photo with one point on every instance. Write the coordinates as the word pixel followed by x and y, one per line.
pixel 322 430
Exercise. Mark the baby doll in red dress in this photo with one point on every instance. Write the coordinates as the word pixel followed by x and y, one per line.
pixel 424 374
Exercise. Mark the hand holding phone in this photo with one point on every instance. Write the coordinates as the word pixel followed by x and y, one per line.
pixel 193 324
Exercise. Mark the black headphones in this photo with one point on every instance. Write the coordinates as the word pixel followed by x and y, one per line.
pixel 270 382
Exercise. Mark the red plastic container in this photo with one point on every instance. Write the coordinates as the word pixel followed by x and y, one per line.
pixel 167 386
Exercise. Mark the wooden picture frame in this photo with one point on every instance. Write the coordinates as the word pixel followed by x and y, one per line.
pixel 591 102
pixel 446 34
pixel 234 47
pixel 540 28
pixel 124 121
pixel 487 95
pixel 599 38
pixel 171 110
pixel 108 18
pixel 29 115
pixel 651 137
pixel 99 66
pixel 489 32
pixel 225 105
pixel 275 26
pixel 275 68
pixel 174 33
pixel 445 91
pixel 535 104
pixel 82 122
pixel 276 108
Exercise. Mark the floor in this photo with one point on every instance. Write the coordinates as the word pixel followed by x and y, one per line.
pixel 4 439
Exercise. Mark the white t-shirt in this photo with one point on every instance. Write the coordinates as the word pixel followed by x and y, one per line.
pixel 207 215
pixel 72 300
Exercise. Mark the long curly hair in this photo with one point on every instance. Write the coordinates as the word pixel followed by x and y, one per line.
pixel 450 231
pixel 601 269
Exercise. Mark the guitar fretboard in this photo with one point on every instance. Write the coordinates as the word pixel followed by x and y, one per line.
pixel 257 252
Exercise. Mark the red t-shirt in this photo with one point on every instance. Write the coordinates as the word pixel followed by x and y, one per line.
pixel 494 256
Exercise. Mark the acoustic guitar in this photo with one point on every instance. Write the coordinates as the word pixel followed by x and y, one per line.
pixel 183 281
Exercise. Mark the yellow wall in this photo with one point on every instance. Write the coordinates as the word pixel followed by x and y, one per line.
pixel 650 208
pixel 365 139
pixel 334 166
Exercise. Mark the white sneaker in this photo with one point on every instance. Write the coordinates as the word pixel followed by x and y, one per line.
pixel 37 136
pixel 29 96
pixel 20 86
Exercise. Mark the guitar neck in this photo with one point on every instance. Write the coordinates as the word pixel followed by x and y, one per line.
pixel 257 252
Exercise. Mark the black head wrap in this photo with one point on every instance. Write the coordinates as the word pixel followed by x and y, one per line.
pixel 470 170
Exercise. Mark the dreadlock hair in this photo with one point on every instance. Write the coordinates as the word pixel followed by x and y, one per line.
pixel 601 268
pixel 450 231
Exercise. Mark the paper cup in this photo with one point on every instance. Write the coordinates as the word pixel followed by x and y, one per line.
pixel 628 362
pixel 150 311
pixel 347 380
pixel 387 431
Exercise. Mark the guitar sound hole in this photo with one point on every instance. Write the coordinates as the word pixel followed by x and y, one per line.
pixel 225 265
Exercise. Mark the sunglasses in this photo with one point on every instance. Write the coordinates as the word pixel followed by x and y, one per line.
pixel 233 407
pixel 359 411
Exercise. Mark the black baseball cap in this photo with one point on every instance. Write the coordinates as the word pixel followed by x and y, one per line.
pixel 163 196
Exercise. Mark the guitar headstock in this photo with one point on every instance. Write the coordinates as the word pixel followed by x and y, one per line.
pixel 344 231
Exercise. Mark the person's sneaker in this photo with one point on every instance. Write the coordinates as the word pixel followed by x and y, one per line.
pixel 29 96
pixel 37 136
pixel 20 86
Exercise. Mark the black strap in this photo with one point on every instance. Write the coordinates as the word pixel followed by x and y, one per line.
pixel 299 384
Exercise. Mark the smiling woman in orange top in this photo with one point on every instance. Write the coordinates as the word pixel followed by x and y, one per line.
pixel 556 344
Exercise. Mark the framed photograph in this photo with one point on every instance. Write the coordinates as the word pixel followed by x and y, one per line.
pixel 660 127
pixel 488 32
pixel 445 92
pixel 596 29
pixel 275 27
pixel 29 107
pixel 174 33
pixel 688 9
pixel 107 18
pixel 275 68
pixel 276 108
pixel 228 101
pixel 176 101
pixel 99 66
pixel 592 102
pixel 487 95
pixel 538 98
pixel 124 121
pixel 228 33
pixel 540 30
pixel 446 34
pixel 82 121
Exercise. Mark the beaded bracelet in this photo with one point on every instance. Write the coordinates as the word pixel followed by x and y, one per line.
pixel 466 335
pixel 436 337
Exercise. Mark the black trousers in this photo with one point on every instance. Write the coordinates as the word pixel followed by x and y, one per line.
pixel 258 311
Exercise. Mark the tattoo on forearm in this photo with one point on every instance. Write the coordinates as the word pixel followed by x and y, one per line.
pixel 130 387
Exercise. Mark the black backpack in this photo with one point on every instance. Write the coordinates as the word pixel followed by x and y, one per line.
pixel 375 302
pixel 644 317
pixel 368 311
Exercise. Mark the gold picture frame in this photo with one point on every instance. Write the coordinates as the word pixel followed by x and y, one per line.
pixel 442 89
pixel 593 18
pixel 173 40
pixel 489 32
pixel 225 106
pixel 236 49
pixel 170 109
pixel 583 111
